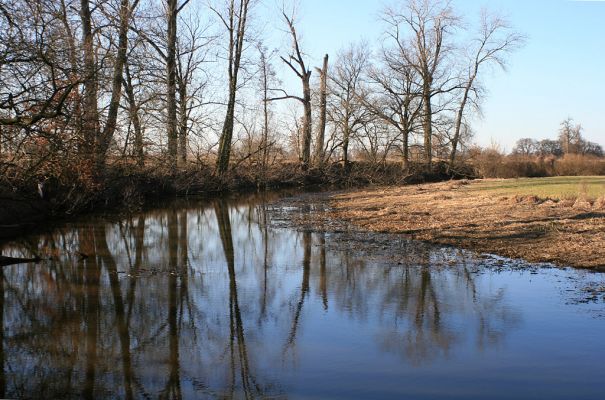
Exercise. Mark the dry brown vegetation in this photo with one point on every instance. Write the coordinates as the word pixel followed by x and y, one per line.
pixel 563 231
pixel 489 163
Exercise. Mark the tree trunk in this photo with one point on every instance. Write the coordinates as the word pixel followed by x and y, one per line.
pixel 345 142
pixel 116 85
pixel 183 122
pixel 224 149
pixel 406 150
pixel 265 140
pixel 90 117
pixel 323 89
pixel 171 119
pixel 457 127
pixel 133 112
pixel 306 128
pixel 427 127
pixel 236 48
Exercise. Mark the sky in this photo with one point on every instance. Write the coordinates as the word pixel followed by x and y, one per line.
pixel 559 73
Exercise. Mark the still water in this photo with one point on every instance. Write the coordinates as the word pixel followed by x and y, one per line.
pixel 224 299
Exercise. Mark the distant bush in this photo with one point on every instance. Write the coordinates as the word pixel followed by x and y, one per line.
pixel 574 164
pixel 491 163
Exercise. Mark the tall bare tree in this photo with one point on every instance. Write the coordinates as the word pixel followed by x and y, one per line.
pixel 347 110
pixel 429 24
pixel 296 63
pixel 397 99
pixel 172 10
pixel 192 51
pixel 235 21
pixel 95 137
pixel 267 78
pixel 133 113
pixel 494 41
pixel 90 117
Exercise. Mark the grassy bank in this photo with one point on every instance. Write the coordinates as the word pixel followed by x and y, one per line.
pixel 556 188
pixel 558 220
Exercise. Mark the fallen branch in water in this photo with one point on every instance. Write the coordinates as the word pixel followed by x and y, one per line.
pixel 4 261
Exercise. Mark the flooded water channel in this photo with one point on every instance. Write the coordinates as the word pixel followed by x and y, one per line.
pixel 225 299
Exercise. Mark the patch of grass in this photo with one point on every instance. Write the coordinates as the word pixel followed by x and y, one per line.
pixel 563 187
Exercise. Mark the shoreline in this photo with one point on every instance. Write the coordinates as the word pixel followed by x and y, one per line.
pixel 22 209
pixel 564 232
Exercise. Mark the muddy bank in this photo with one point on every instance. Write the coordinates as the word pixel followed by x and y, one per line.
pixel 126 188
pixel 563 232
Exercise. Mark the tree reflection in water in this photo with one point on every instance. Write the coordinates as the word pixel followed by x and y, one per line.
pixel 210 300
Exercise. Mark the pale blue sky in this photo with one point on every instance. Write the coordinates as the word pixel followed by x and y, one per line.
pixel 560 72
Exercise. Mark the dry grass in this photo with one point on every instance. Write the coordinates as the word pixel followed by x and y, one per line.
pixel 539 220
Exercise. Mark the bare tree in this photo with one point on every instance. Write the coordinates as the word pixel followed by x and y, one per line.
pixel 526 147
pixel 348 109
pixel 192 51
pixel 235 22
pixel 397 99
pixel 494 41
pixel 267 77
pixel 429 22
pixel 172 10
pixel 570 136
pixel 95 138
pixel 133 113
pixel 90 117
pixel 296 62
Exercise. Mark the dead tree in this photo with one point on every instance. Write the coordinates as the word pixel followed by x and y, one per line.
pixel 321 128
pixel 297 64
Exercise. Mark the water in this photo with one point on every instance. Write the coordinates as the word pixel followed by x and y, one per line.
pixel 211 300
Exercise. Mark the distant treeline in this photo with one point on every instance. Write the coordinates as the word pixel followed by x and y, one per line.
pixel 570 141
pixel 569 154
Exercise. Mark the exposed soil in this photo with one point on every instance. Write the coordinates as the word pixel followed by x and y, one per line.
pixel 563 232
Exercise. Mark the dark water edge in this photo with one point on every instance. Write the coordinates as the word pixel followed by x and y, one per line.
pixel 225 298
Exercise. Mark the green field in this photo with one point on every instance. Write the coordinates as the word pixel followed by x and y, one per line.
pixel 564 187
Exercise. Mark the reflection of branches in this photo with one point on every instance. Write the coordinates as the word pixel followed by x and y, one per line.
pixel 92 279
pixel 265 228
pixel 323 281
pixel 139 239
pixel 173 385
pixel 236 326
pixel 304 289
pixel 118 303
